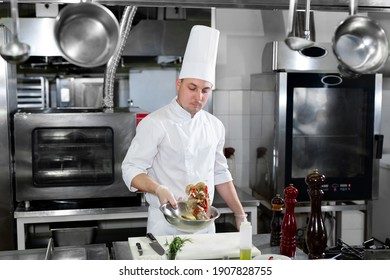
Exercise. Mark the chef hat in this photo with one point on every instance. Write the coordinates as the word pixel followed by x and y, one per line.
pixel 200 56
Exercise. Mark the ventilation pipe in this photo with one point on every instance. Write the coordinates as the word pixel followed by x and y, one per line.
pixel 112 64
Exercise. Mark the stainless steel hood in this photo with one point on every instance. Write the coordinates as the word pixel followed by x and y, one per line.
pixel 278 57
pixel 158 38
pixel 147 38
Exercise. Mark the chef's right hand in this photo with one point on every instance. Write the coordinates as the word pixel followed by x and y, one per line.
pixel 165 195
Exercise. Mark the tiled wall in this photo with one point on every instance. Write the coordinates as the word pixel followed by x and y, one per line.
pixel 248 117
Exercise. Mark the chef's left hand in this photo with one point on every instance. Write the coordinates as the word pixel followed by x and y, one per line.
pixel 239 219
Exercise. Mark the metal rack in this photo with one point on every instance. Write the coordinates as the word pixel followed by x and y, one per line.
pixel 32 92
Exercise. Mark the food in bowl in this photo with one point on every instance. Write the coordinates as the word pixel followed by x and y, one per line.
pixel 174 216
pixel 198 202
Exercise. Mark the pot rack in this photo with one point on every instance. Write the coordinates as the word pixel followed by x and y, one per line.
pixel 335 5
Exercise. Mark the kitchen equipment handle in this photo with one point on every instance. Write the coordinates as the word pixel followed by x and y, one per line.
pixel 353 6
pixel 151 237
pixel 291 17
pixel 379 145
pixel 307 20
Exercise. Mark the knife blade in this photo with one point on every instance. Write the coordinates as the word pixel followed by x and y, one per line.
pixel 155 245
pixel 139 248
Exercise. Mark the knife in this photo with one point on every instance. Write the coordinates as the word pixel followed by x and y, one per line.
pixel 139 248
pixel 155 245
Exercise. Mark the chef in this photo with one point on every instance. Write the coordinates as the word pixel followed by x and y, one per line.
pixel 180 143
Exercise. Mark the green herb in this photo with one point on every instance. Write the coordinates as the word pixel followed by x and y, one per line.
pixel 176 245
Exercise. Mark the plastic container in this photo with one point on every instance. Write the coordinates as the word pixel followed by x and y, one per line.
pixel 245 240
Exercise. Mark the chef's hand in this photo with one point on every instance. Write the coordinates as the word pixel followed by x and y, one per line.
pixel 165 196
pixel 239 219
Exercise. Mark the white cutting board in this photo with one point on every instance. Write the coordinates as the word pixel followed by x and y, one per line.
pixel 201 247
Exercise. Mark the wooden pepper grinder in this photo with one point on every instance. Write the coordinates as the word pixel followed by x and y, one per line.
pixel 288 243
pixel 276 221
pixel 316 237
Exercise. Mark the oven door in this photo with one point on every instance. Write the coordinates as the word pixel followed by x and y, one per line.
pixel 329 123
pixel 71 155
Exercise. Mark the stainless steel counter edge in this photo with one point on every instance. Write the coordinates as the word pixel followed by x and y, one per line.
pixel 246 200
pixel 78 212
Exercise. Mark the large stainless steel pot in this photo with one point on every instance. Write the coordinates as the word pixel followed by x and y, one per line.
pixel 360 44
pixel 87 34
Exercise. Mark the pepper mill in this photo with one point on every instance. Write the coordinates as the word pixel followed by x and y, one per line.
pixel 276 221
pixel 288 243
pixel 316 237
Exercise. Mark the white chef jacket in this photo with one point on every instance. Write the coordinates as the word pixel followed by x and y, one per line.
pixel 176 150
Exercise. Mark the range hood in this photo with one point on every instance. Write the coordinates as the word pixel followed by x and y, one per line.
pixel 158 38
pixel 277 57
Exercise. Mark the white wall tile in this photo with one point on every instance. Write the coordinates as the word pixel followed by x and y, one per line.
pixel 225 120
pixel 234 73
pixel 263 81
pixel 241 150
pixel 243 175
pixel 267 127
pixel 239 102
pixel 220 102
pixel 239 127
pixel 255 126
pixel 268 103
pixel 256 102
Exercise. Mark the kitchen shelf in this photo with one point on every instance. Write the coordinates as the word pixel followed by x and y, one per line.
pixel 32 92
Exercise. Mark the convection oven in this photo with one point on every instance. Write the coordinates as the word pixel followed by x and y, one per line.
pixel 70 154
pixel 325 121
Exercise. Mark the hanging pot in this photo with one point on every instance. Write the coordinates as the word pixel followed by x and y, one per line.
pixel 360 44
pixel 87 34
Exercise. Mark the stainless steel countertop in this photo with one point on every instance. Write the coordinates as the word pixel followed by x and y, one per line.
pixel 121 249
pixel 94 252
pixel 246 200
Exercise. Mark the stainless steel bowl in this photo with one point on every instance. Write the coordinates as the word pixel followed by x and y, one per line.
pixel 174 217
pixel 87 34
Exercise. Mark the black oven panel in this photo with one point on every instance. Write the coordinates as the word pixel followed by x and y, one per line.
pixel 71 156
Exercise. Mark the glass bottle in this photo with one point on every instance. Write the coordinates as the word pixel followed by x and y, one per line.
pixel 276 221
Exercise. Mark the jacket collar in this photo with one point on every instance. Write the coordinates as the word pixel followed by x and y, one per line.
pixel 179 112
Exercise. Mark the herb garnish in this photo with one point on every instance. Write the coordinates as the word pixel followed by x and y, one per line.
pixel 175 246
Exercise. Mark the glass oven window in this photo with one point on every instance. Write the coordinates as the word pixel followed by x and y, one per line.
pixel 329 128
pixel 73 156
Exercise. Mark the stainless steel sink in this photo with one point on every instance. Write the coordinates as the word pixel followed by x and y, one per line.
pixel 31 254
pixel 86 252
